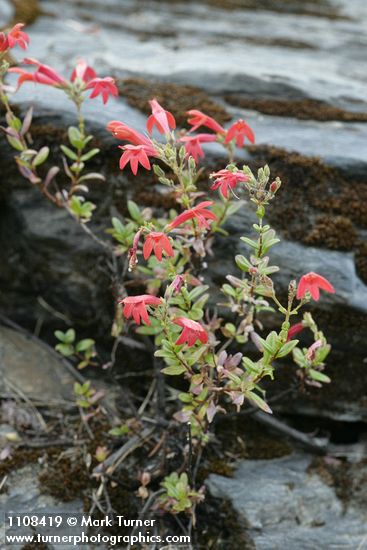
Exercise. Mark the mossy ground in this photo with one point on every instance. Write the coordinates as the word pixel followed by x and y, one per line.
pixel 174 97
pixel 318 205
pixel 349 479
pixel 303 109
pixel 26 11
pixel 318 8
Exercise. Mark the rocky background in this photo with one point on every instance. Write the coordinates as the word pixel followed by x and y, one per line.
pixel 296 72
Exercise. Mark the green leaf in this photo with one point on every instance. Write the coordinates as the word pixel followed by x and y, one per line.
pixel 14 122
pixel 174 370
pixel 69 336
pixel 92 176
pixel 259 402
pixel 60 335
pixel 75 137
pixel 85 344
pixel 119 430
pixel 65 349
pixel 250 242
pixel 319 376
pixel 196 292
pixel 41 156
pixel 134 211
pixel 90 154
pixel 149 330
pixel 287 348
pixel 322 353
pixel 242 262
pixel 68 152
pixel 15 143
pixel 298 357
pixel 270 344
pixel 185 397
pixel 229 290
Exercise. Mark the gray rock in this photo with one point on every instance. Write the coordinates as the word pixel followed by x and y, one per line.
pixel 6 12
pixel 28 367
pixel 24 497
pixel 220 51
pixel 286 508
pixel 68 268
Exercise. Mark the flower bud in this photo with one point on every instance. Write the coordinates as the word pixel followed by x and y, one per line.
pixel 274 186
pixel 292 289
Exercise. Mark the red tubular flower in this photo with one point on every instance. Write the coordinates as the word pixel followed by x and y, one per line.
pixel 295 329
pixel 102 86
pixel 193 144
pixel 136 306
pixel 17 37
pixel 239 131
pixel 135 154
pixel 125 133
pixel 83 72
pixel 162 119
pixel 4 44
pixel 201 119
pixel 312 282
pixel 157 242
pixel 199 212
pixel 43 74
pixel 192 331
pixel 227 180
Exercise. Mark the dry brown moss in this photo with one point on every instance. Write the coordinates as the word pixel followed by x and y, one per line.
pixel 336 233
pixel 303 109
pixel 220 527
pixel 174 97
pixel 348 479
pixel 317 204
pixel 65 480
pixel 361 259
pixel 26 11
pixel 318 8
pixel 19 459
pixel 243 438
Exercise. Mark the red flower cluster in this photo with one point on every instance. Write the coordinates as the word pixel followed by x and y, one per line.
pixel 312 282
pixel 198 212
pixel 158 243
pixel 227 180
pixel 141 147
pixel 15 37
pixel 162 119
pixel 136 307
pixel 193 144
pixel 83 74
pixel 238 132
pixel 192 331
pixel 201 119
pixel 138 151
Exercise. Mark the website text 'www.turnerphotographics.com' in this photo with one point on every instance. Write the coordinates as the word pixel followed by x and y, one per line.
pixel 78 530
